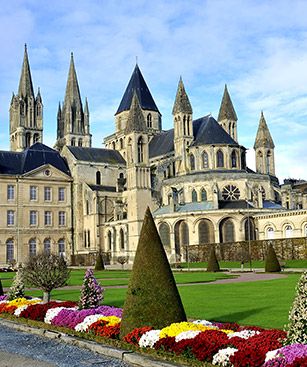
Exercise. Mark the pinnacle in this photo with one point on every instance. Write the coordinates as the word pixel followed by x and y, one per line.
pixel 182 103
pixel 227 111
pixel 136 120
pixel 263 137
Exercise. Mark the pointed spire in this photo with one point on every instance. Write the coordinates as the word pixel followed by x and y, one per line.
pixel 263 137
pixel 182 103
pixel 137 84
pixel 86 109
pixel 59 110
pixel 38 96
pixel 227 111
pixel 72 95
pixel 25 88
pixel 136 121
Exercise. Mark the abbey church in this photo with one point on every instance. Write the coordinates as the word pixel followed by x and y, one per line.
pixel 76 200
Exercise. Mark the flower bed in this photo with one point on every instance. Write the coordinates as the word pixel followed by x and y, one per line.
pixel 222 344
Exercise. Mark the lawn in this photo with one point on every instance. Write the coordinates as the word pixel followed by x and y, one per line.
pixel 262 303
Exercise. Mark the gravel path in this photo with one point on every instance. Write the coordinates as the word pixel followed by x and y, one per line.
pixel 18 349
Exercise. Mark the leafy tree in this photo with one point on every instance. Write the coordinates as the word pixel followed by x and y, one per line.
pixel 99 262
pixel 213 264
pixel 46 272
pixel 91 291
pixel 17 289
pixel 152 297
pixel 271 262
pixel 297 327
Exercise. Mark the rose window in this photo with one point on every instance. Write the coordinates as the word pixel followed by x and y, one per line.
pixel 231 192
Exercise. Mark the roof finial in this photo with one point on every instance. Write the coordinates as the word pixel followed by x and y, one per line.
pixel 136 60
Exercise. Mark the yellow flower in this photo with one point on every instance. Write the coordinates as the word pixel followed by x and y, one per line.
pixel 111 320
pixel 23 301
pixel 179 327
pixel 227 331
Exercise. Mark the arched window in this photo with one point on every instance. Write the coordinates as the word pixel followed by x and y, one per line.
pixel 194 196
pixel 113 145
pixel 32 247
pixel 220 158
pixel 35 138
pixel 205 232
pixel 260 161
pixel 149 121
pixel 192 162
pixel 73 142
pixel 305 230
pixel 288 231
pixel 121 143
pixel 61 247
pixel 184 127
pixel 270 233
pixel 233 159
pixel 9 251
pixel 205 159
pixel 188 125
pixel 203 195
pixel 122 239
pixel 184 233
pixel 129 151
pixel 110 240
pixel 164 232
pixel 28 140
pixel 227 231
pixel 140 150
pixel 268 161
pixel 47 245
pixel 233 130
pixel 80 142
pixel 249 229
pixel 98 178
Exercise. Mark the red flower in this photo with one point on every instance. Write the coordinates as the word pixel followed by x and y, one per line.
pixel 299 362
pixel 38 311
pixel 136 334
pixel 166 344
pixel 207 343
pixel 99 328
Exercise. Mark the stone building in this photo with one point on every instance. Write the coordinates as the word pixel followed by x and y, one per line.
pixel 193 177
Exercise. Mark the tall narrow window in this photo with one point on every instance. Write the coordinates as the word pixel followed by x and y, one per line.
pixel 48 218
pixel 227 231
pixel 243 160
pixel 35 138
pixel 28 140
pixel 205 160
pixel 149 120
pixel 98 178
pixel 184 126
pixel 268 162
pixel 140 150
pixel 10 217
pixel 122 239
pixel 33 193
pixel 62 218
pixel 164 232
pixel 220 158
pixel 73 142
pixel 88 238
pixel 80 142
pixel 32 247
pixel 9 251
pixel 203 195
pixel 288 231
pixel 61 193
pixel 233 159
pixel 205 232
pixel 110 240
pixel 47 246
pixel 47 193
pixel 61 247
pixel 10 192
pixel 33 217
pixel 194 196
pixel 192 162
pixel 270 233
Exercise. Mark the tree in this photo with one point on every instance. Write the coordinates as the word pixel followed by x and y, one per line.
pixel 46 272
pixel 99 262
pixel 271 262
pixel 91 291
pixel 297 327
pixel 213 264
pixel 17 289
pixel 152 297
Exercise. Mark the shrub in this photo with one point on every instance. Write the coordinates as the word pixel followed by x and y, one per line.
pixel 17 289
pixel 99 262
pixel 297 327
pixel 271 262
pixel 46 272
pixel 152 297
pixel 213 264
pixel 91 291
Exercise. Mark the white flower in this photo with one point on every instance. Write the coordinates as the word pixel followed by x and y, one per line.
pixel 19 310
pixel 51 314
pixel 190 334
pixel 203 322
pixel 221 358
pixel 88 321
pixel 149 339
pixel 244 334
pixel 271 354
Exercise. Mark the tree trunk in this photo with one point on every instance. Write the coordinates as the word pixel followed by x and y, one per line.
pixel 46 297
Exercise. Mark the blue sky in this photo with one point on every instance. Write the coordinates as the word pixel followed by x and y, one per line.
pixel 259 48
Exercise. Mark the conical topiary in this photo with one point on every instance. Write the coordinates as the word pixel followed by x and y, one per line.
pixel 17 289
pixel 271 262
pixel 91 292
pixel 152 298
pixel 99 262
pixel 213 264
pixel 297 327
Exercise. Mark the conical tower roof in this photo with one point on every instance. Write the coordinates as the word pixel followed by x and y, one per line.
pixel 72 94
pixel 137 84
pixel 227 111
pixel 263 137
pixel 136 121
pixel 25 88
pixel 182 103
pixel 152 297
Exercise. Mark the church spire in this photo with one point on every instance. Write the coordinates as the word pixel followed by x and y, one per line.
pixel 227 111
pixel 136 120
pixel 25 88
pixel 182 103
pixel 72 95
pixel 263 137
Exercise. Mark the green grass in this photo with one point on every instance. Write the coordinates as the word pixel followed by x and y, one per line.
pixel 259 303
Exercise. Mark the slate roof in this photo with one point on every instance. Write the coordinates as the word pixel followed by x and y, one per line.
pixel 103 188
pixel 98 155
pixel 236 204
pixel 138 84
pixel 183 208
pixel 206 130
pixel 38 155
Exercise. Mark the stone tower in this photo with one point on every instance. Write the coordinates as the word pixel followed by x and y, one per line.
pixel 183 128
pixel 73 122
pixel 138 170
pixel 264 149
pixel 26 112
pixel 227 115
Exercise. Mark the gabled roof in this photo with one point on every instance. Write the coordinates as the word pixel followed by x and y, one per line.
pixel 138 84
pixel 136 121
pixel 227 111
pixel 206 130
pixel 98 155
pixel 38 155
